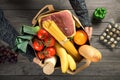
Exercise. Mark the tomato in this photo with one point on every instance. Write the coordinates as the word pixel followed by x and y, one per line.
pixel 49 52
pixel 40 55
pixel 42 34
pixel 38 45
pixel 50 41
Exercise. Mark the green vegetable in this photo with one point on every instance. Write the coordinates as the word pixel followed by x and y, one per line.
pixel 71 38
pixel 23 40
pixel 99 13
pixel 30 30
pixel 23 46
pixel 25 37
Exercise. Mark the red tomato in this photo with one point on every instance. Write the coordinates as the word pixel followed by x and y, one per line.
pixel 42 34
pixel 38 45
pixel 40 55
pixel 49 52
pixel 50 41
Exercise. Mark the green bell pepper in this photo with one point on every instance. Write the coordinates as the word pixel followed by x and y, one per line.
pixel 100 13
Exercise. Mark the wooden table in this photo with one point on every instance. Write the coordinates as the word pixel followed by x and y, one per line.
pixel 20 12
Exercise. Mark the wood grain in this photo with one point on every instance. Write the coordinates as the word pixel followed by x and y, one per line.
pixel 20 12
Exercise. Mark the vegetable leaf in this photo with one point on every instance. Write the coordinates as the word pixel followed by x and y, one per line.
pixel 30 30
pixel 23 46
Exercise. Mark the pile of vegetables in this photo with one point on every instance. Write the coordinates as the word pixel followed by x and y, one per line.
pixel 52 46
pixel 47 46
pixel 42 42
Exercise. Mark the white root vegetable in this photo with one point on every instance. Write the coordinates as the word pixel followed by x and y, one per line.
pixel 49 65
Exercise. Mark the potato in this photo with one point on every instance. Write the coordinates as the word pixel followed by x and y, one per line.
pixel 90 53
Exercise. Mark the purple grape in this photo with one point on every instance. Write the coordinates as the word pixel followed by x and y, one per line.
pixel 7 55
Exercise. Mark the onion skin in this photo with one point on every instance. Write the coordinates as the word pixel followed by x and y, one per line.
pixel 90 53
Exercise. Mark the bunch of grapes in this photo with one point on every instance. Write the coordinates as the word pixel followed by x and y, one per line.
pixel 7 55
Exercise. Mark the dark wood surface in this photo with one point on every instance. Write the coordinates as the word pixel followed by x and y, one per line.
pixel 20 12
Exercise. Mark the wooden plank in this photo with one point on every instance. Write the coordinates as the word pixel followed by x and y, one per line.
pixel 102 68
pixel 39 77
pixel 109 4
pixel 21 15
pixel 33 4
pixel 110 56
pixel 37 4
pixel 84 77
pixel 20 69
pixel 95 69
